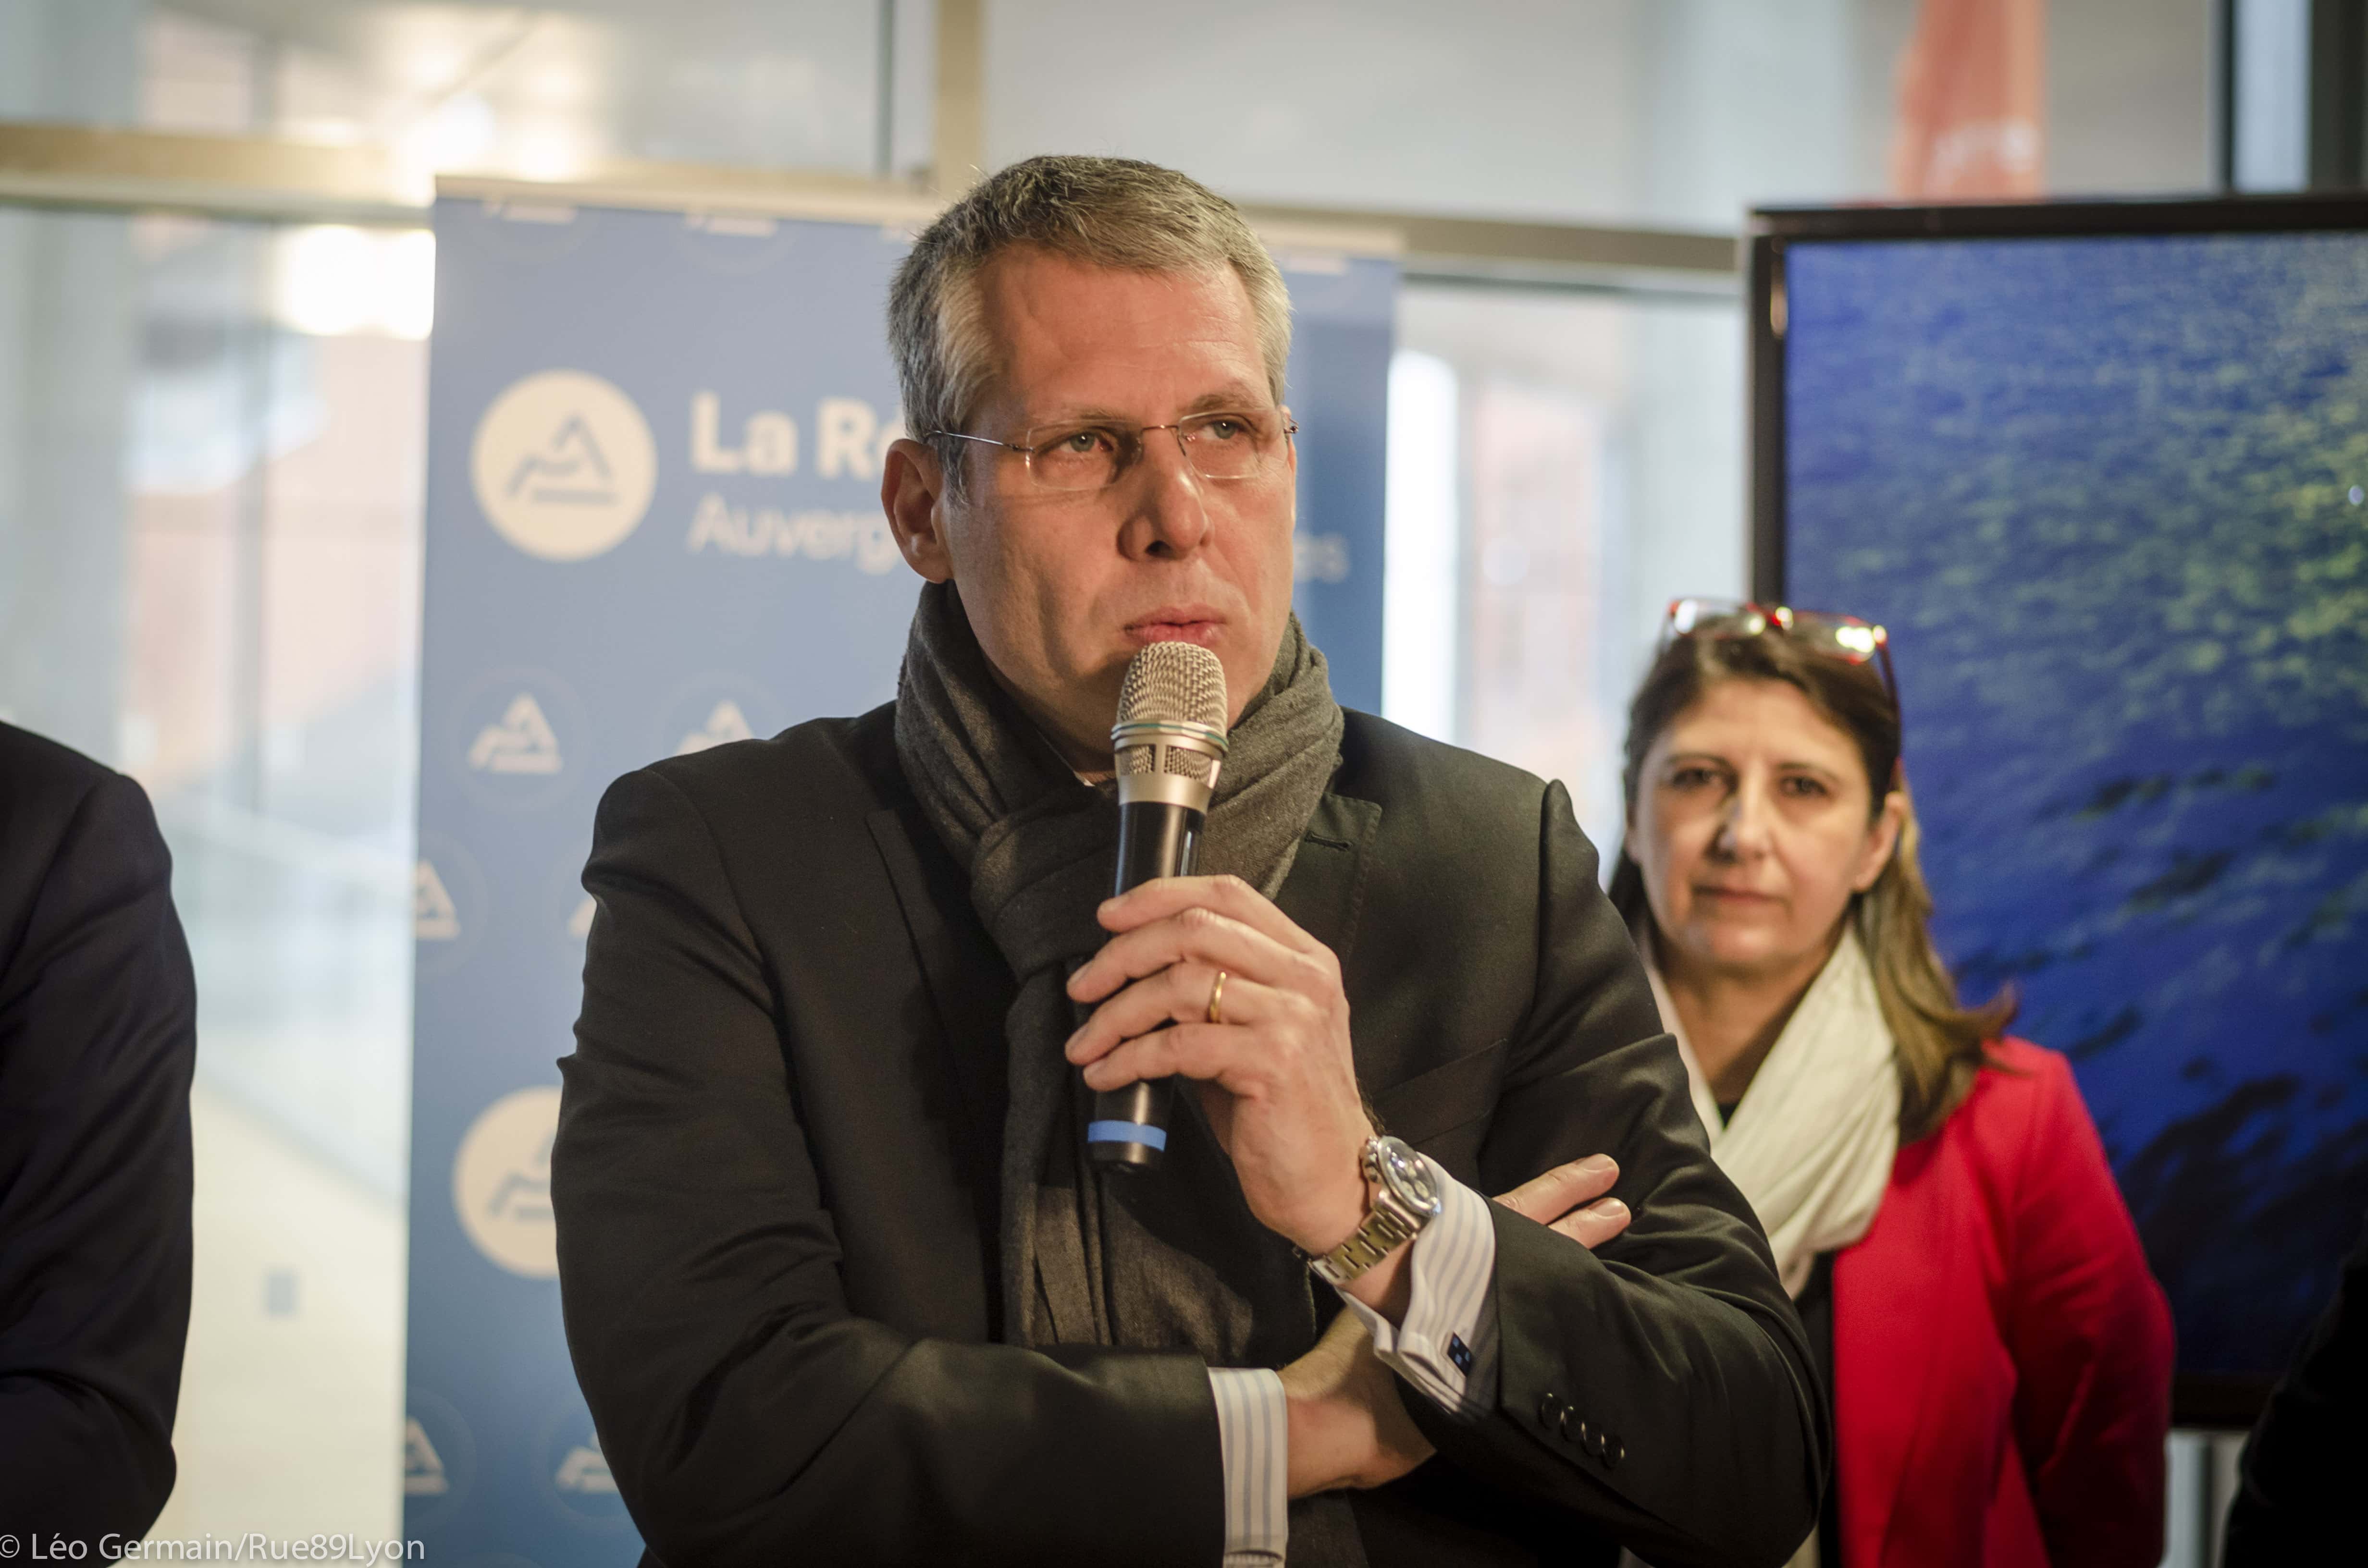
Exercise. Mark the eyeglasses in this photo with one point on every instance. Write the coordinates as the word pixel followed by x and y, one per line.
pixel 1094 456
pixel 1843 636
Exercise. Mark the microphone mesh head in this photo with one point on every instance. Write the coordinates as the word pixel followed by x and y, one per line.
pixel 1182 682
pixel 1177 683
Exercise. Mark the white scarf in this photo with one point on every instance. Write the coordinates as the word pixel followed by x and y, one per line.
pixel 1812 1142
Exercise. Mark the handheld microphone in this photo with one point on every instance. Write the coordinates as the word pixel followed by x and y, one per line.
pixel 1168 743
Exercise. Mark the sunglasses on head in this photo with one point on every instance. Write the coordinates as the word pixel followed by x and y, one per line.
pixel 1843 636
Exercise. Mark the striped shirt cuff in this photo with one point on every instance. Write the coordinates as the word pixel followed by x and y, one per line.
pixel 1447 1346
pixel 1253 1432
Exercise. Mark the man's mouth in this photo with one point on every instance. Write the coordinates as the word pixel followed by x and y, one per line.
pixel 1187 623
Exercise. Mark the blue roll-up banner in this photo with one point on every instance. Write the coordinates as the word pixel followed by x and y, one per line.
pixel 653 526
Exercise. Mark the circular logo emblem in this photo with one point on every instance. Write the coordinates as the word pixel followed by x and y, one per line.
pixel 515 738
pixel 501 1182
pixel 448 903
pixel 575 1472
pixel 564 465
pixel 440 1458
pixel 715 709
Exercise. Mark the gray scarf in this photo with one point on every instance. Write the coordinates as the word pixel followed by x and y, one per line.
pixel 1174 1260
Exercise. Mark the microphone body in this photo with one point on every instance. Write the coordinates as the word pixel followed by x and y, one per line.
pixel 1168 744
pixel 1156 839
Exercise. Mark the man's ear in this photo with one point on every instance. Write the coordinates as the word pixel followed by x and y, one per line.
pixel 912 491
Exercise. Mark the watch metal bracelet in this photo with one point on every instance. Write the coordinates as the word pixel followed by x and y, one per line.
pixel 1374 1240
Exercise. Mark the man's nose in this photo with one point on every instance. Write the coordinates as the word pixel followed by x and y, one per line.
pixel 1168 520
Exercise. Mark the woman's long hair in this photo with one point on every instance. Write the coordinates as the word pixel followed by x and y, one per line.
pixel 1940 1044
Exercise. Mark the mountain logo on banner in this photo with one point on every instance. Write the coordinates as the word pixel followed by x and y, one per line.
pixel 585 1469
pixel 724 724
pixel 520 740
pixel 574 1471
pixel 423 1469
pixel 564 465
pixel 571 469
pixel 501 1183
pixel 434 916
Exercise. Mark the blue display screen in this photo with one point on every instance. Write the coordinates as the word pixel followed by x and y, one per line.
pixel 2111 497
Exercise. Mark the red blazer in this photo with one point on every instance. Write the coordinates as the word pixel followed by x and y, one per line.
pixel 2002 1355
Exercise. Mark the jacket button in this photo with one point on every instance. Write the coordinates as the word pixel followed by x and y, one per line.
pixel 1573 1429
pixel 1614 1452
pixel 1549 1409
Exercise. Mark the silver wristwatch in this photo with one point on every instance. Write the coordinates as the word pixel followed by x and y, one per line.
pixel 1407 1197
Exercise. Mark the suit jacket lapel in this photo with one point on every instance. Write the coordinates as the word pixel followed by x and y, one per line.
pixel 1325 893
pixel 967 983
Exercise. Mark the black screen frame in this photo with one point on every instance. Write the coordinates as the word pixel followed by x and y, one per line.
pixel 2211 1403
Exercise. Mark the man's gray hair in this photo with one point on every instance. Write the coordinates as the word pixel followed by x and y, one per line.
pixel 1113 213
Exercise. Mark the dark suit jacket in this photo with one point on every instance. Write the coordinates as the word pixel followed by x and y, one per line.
pixel 2298 1493
pixel 97 1038
pixel 776 1182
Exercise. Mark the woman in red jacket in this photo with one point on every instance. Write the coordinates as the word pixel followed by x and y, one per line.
pixel 1937 1199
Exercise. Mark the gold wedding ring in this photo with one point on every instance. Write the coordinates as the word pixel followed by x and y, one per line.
pixel 1216 995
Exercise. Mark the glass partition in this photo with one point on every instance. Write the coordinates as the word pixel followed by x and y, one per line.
pixel 1562 465
pixel 211 457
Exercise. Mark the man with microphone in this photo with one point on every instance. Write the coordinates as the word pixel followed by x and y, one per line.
pixel 859 1263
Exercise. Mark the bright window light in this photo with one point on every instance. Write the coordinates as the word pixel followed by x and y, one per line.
pixel 2271 135
pixel 326 277
pixel 549 153
pixel 335 281
pixel 456 134
pixel 409 307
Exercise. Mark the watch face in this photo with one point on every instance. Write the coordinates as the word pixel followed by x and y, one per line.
pixel 1408 1177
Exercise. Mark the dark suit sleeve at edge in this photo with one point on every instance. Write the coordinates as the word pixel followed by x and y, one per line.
pixel 1675 1342
pixel 2300 1474
pixel 748 1417
pixel 97 1040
